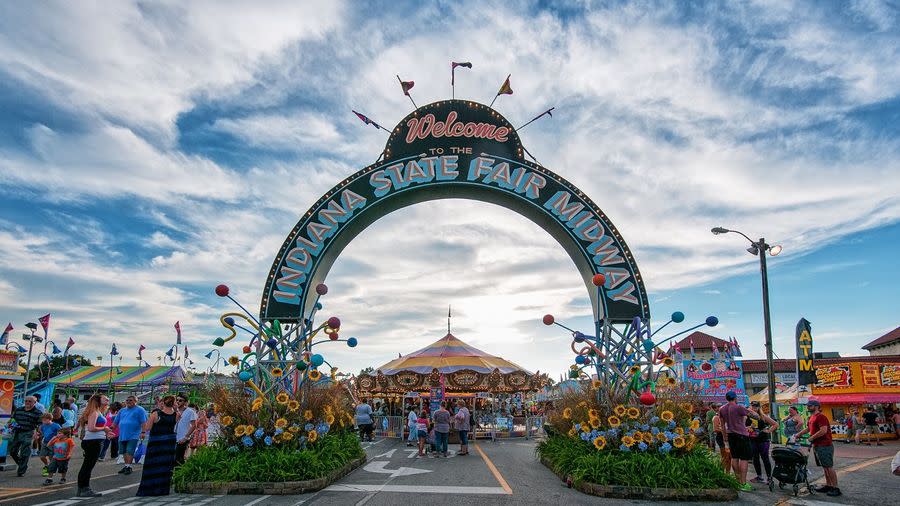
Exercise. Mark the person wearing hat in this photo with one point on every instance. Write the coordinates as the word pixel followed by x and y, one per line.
pixel 819 429
pixel 734 417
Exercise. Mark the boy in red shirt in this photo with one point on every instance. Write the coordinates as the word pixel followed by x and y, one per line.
pixel 61 446
pixel 819 429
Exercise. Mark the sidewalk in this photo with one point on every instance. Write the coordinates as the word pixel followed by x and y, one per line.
pixel 12 486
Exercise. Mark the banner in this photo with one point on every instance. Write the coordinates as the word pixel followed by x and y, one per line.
pixel 435 396
pixel 712 380
pixel 806 373
pixel 9 361
pixel 833 376
pixel 890 375
pixel 870 376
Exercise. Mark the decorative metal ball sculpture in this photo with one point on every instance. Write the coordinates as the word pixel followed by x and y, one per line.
pixel 627 361
pixel 279 358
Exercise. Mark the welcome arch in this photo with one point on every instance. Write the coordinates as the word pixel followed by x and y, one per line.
pixel 455 149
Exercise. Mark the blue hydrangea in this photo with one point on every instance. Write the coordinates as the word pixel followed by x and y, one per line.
pixel 259 433
pixel 645 427
pixel 669 435
pixel 654 419
pixel 247 440
pixel 672 424
pixel 665 448
pixel 309 427
pixel 654 430
pixel 642 446
pixel 232 449
pixel 612 432
pixel 323 428
pixel 577 426
pixel 624 448
pixel 279 431
pixel 268 440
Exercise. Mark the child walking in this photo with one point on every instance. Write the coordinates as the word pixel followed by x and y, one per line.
pixel 48 429
pixel 62 446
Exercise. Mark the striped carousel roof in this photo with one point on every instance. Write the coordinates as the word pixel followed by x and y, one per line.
pixel 87 376
pixel 447 355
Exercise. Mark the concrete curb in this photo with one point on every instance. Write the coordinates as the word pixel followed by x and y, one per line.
pixel 648 493
pixel 271 488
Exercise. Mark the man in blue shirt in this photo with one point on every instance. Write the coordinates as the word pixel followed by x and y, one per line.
pixel 131 421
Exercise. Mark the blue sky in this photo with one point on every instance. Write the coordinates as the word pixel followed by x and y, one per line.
pixel 149 151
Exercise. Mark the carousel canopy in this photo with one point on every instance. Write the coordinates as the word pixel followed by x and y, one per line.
pixel 448 355
pixel 124 376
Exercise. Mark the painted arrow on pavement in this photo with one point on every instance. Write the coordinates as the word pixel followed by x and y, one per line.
pixel 378 466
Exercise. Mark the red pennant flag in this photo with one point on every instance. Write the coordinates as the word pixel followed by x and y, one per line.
pixel 45 322
pixel 406 86
pixel 453 66
pixel 178 332
pixel 365 119
pixel 505 89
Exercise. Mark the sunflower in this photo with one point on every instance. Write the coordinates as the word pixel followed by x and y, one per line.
pixel 667 416
pixel 233 360
pixel 572 432
pixel 585 427
pixel 593 413
pixel 315 375
pixel 282 398
pixel 257 403
pixel 687 406
pixel 329 419
pixel 692 440
pixel 633 413
pixel 678 442
pixel 293 429
pixel 638 435
pixel 287 436
pixel 614 421
pixel 239 431
pixel 567 413
pixel 671 381
pixel 249 429
pixel 293 405
pixel 695 424
pixel 595 384
pixel 600 442
pixel 679 431
pixel 620 410
pixel 277 372
pixel 668 362
pixel 308 415
pixel 627 440
pixel 595 423
pixel 661 437
pixel 312 436
pixel 635 369
pixel 281 423
pixel 226 420
pixel 648 437
pixel 582 404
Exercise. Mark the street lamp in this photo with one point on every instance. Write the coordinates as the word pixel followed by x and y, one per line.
pixel 31 338
pixel 760 248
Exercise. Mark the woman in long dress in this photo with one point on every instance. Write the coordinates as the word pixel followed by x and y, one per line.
pixel 159 461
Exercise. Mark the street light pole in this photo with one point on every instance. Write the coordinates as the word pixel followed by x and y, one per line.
pixel 30 339
pixel 761 248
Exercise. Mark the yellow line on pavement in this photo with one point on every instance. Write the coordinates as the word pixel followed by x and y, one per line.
pixel 5 491
pixel 494 470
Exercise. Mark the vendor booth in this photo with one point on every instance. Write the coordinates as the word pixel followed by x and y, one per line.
pixel 449 369
pixel 10 373
pixel 850 386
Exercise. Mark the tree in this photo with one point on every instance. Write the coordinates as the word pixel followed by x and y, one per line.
pixel 57 366
pixel 368 370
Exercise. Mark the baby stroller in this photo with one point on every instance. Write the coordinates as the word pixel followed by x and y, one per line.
pixel 790 469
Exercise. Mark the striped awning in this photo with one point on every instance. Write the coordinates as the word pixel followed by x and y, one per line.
pixel 448 355
pixel 125 376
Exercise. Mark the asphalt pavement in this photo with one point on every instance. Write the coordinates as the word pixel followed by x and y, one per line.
pixel 505 472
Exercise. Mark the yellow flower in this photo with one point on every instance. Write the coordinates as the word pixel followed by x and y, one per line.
pixel 239 431
pixel 329 419
pixel 679 431
pixel 294 429
pixel 614 421
pixel 600 442
pixel 670 381
pixel 593 413
pixel 635 369
pixel 648 437
pixel 281 423
pixel 312 436
pixel 678 442
pixel 257 403
pixel 687 406
pixel 633 413
pixel 233 360
pixel 595 384
pixel 627 440
pixel 585 427
pixel 277 372
pixel 572 432
pixel 308 415
pixel 667 416
pixel 226 420
pixel 314 375
pixel 567 413
pixel 287 436
pixel 582 404
pixel 695 424
pixel 620 410
pixel 249 429
pixel 293 405
pixel 595 423
pixel 661 437
pixel 638 435
pixel 282 398
pixel 668 362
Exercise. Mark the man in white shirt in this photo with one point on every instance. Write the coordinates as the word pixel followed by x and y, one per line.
pixel 184 429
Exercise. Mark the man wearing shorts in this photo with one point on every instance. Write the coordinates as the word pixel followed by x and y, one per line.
pixel 871 418
pixel 130 420
pixel 819 429
pixel 734 418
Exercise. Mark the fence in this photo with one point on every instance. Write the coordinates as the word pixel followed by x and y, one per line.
pixel 485 427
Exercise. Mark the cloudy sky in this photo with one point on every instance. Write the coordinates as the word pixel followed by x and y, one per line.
pixel 152 150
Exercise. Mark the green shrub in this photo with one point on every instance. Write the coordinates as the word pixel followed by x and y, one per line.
pixel 696 469
pixel 217 463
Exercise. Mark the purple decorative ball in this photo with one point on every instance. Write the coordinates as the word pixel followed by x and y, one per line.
pixel 334 322
pixel 321 289
pixel 222 290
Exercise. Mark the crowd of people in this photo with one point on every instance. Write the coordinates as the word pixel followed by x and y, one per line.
pixel 160 439
pixel 431 433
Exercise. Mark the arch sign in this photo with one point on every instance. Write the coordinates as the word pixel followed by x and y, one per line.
pixel 455 149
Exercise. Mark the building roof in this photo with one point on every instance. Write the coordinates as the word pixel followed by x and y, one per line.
pixel 124 376
pixel 702 341
pixel 449 354
pixel 886 339
pixel 789 365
